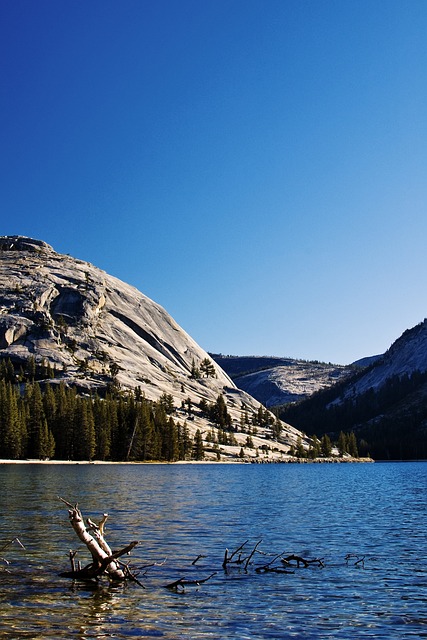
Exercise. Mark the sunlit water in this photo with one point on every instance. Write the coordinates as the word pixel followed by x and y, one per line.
pixel 180 511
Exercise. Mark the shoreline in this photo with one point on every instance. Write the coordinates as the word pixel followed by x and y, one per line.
pixel 206 462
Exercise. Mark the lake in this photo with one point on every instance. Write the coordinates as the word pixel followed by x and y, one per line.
pixel 375 512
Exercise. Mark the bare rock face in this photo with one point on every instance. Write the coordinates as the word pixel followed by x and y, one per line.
pixel 407 355
pixel 92 328
pixel 21 243
pixel 278 381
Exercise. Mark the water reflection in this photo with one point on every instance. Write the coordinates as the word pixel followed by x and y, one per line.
pixel 181 511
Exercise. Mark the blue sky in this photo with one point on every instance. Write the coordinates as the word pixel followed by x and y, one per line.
pixel 257 167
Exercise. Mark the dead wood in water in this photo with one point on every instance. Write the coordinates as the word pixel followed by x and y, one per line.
pixel 181 583
pixel 358 560
pixel 104 560
pixel 241 559
pixel 302 561
pixel 270 568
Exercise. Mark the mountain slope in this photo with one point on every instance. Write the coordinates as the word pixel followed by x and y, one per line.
pixel 385 404
pixel 92 328
pixel 276 381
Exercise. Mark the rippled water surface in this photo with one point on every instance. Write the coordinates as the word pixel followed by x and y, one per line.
pixel 180 511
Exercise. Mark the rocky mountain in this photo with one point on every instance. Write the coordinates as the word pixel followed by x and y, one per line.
pixel 407 355
pixel 385 404
pixel 91 329
pixel 277 381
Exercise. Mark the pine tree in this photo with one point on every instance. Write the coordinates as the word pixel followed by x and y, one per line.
pixel 352 445
pixel 31 369
pixel 276 429
pixel 326 446
pixel 189 406
pixel 84 441
pixel 195 371
pixel 112 425
pixel 314 450
pixel 342 443
pixel 147 441
pixel 170 448
pixel 64 423
pixel 166 400
pixel 49 405
pixel 207 368
pixel 199 452
pixel 36 421
pixel 47 442
pixel 249 442
pixel 7 371
pixel 300 451
pixel 11 440
pixel 102 428
pixel 218 413
pixel 184 441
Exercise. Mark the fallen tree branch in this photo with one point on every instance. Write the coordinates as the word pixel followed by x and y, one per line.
pixel 152 564
pixel 360 560
pixel 182 583
pixel 228 558
pixel 268 567
pixel 131 575
pixel 103 559
pixel 252 554
pixel 237 551
pixel 299 560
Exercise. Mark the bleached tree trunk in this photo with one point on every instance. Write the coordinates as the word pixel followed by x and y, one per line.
pixel 103 559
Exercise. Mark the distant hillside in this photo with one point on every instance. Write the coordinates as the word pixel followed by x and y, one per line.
pixel 384 404
pixel 276 381
pixel 65 322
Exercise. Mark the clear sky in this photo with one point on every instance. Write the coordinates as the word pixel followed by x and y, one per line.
pixel 257 167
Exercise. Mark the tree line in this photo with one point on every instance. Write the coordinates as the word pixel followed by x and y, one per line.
pixel 389 422
pixel 42 419
pixel 54 421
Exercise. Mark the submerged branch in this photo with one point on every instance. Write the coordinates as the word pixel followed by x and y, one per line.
pixel 299 560
pixel 182 583
pixel 228 558
pixel 106 561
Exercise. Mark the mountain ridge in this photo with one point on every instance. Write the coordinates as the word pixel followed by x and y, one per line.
pixel 384 404
pixel 275 381
pixel 93 329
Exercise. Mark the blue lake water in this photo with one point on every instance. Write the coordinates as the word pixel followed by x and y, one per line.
pixel 376 511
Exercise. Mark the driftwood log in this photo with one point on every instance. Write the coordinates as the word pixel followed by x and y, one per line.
pixel 107 562
pixel 104 560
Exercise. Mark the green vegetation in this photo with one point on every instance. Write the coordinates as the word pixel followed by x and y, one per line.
pixel 53 421
pixel 206 369
pixel 387 423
